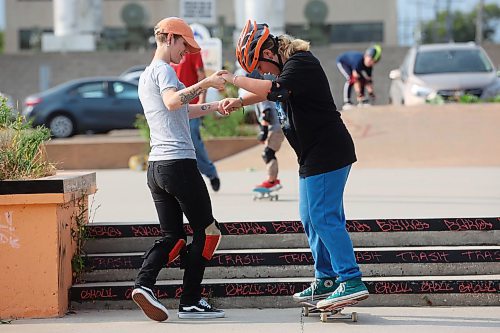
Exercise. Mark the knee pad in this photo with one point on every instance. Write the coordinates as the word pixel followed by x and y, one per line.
pixel 212 240
pixel 268 155
pixel 166 249
pixel 176 250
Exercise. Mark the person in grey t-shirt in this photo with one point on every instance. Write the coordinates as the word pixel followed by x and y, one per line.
pixel 173 178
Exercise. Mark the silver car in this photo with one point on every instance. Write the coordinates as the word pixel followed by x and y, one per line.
pixel 446 71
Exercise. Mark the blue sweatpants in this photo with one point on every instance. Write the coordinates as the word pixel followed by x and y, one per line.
pixel 322 213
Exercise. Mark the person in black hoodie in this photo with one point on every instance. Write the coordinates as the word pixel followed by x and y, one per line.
pixel 324 148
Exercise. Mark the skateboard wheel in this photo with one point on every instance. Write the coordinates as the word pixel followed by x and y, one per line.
pixel 354 317
pixel 305 311
pixel 324 317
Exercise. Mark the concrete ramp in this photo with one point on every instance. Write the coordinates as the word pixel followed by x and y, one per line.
pixel 426 136
pixel 453 135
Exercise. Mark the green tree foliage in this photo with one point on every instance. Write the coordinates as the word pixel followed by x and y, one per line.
pixel 463 25
pixel 1 42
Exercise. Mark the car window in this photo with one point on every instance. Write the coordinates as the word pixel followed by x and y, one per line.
pixel 125 90
pixel 451 61
pixel 92 90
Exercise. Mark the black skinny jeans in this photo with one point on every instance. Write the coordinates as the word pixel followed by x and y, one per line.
pixel 177 187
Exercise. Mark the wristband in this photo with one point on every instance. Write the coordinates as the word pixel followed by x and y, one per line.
pixel 241 100
pixel 234 79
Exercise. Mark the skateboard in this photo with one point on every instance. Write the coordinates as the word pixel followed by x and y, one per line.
pixel 333 311
pixel 260 193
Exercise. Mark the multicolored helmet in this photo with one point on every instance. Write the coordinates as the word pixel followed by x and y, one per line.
pixel 249 44
pixel 374 52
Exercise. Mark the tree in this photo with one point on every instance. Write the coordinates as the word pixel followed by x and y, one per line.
pixel 1 42
pixel 463 26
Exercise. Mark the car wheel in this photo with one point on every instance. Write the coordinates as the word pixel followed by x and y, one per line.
pixel 61 126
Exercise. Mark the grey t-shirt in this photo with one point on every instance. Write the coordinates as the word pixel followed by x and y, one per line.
pixel 169 129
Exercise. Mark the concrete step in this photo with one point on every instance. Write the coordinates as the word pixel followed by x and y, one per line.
pixel 111 237
pixel 271 293
pixel 281 263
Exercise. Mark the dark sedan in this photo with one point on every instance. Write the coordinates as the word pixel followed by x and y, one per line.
pixel 96 105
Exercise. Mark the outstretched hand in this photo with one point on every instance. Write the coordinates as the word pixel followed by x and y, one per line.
pixel 228 76
pixel 216 80
pixel 228 105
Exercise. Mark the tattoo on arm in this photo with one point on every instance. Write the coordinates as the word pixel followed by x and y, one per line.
pixel 205 107
pixel 191 94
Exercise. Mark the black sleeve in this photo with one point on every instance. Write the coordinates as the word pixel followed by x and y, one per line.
pixel 290 78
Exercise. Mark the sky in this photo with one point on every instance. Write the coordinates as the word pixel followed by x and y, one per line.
pixel 2 14
pixel 410 13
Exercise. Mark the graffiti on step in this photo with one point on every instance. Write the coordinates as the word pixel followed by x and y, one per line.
pixel 295 227
pixel 97 293
pixel 468 224
pixel 409 225
pixel 104 231
pixel 245 229
pixel 237 260
pixel 297 258
pixel 280 258
pixel 278 288
pixel 8 232
pixel 146 231
pixel 432 287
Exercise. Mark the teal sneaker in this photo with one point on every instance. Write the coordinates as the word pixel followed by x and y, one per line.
pixel 319 289
pixel 350 290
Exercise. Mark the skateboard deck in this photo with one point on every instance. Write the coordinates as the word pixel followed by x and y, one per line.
pixel 330 312
pixel 260 193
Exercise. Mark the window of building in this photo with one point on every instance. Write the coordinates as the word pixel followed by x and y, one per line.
pixel 31 38
pixel 357 32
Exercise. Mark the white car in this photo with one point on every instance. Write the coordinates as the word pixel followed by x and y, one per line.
pixel 446 71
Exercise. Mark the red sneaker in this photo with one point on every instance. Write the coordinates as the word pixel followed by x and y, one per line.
pixel 271 185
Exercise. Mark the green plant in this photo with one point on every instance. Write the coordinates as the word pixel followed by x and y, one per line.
pixel 1 41
pixel 232 125
pixel 142 125
pixel 22 151
pixel 214 125
pixel 80 234
pixel 469 99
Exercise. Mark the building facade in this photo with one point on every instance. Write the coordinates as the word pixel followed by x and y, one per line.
pixel 346 22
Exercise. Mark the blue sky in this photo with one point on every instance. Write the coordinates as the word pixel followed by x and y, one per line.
pixel 410 12
pixel 2 14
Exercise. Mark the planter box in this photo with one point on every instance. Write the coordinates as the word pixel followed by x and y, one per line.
pixel 36 245
pixel 108 152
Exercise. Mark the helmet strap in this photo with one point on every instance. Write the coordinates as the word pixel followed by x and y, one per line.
pixel 275 50
pixel 280 67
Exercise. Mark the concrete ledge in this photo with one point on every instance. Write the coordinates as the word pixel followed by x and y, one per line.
pixel 108 152
pixel 281 302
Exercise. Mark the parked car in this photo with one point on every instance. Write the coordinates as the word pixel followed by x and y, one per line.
pixel 445 70
pixel 91 104
pixel 133 73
